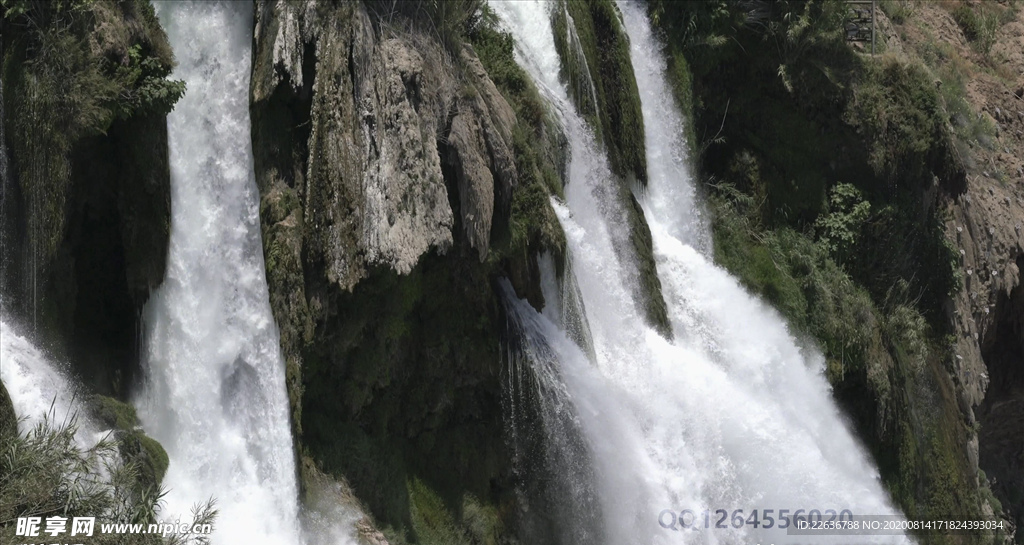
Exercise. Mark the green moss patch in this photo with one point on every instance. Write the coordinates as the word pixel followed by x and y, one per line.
pixel 617 118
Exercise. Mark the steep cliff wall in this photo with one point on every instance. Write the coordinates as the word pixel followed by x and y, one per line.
pixel 86 206
pixel 397 184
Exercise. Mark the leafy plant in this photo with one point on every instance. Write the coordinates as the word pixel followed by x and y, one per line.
pixel 47 472
pixel 144 85
pixel 979 25
pixel 848 211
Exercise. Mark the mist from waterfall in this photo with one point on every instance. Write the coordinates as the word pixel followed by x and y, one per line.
pixel 40 389
pixel 731 414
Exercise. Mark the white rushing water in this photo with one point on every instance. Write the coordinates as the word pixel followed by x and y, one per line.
pixel 730 415
pixel 39 388
pixel 215 394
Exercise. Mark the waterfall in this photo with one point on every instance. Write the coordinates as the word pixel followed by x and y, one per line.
pixel 40 389
pixel 581 81
pixel 214 393
pixel 732 414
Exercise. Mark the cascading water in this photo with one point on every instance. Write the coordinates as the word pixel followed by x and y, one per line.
pixel 214 394
pixel 730 415
pixel 39 389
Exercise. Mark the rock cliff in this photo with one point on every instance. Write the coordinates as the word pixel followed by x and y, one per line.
pixel 86 197
pixel 392 173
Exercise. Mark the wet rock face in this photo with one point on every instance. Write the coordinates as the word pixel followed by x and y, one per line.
pixel 480 143
pixel 406 210
pixel 375 193
pixel 383 112
pixel 354 131
pixel 383 161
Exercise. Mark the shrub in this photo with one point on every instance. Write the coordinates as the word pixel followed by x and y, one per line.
pixel 898 11
pixel 839 230
pixel 46 472
pixel 896 109
pixel 979 26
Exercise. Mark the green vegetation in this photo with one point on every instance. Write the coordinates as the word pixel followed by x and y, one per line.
pixel 881 357
pixel 980 21
pixel 44 472
pixel 144 453
pixel 823 167
pixel 898 11
pixel 539 150
pixel 616 118
pixel 80 75
pixel 896 109
pixel 113 413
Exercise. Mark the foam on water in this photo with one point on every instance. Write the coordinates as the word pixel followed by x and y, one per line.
pixel 731 413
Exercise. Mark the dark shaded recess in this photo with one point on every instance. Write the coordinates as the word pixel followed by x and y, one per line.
pixel 404 380
pixel 551 457
pixel 281 128
pixel 113 253
pixel 114 250
pixel 280 140
pixel 1001 438
pixel 12 241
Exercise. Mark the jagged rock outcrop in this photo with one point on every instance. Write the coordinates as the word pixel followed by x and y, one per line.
pixel 373 191
pixel 988 313
pixel 480 140
pixel 386 164
pixel 350 131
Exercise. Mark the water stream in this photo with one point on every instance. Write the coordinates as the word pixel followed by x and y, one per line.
pixel 214 392
pixel 733 413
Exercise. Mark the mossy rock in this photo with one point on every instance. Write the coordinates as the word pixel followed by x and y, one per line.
pixel 155 457
pixel 148 456
pixel 137 448
pixel 652 302
pixel 619 118
pixel 113 413
pixel 8 418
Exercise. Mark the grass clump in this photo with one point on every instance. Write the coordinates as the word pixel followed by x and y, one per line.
pixel 45 472
pixel 114 413
pixel 448 21
pixel 898 11
pixel 896 109
pixel 979 24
